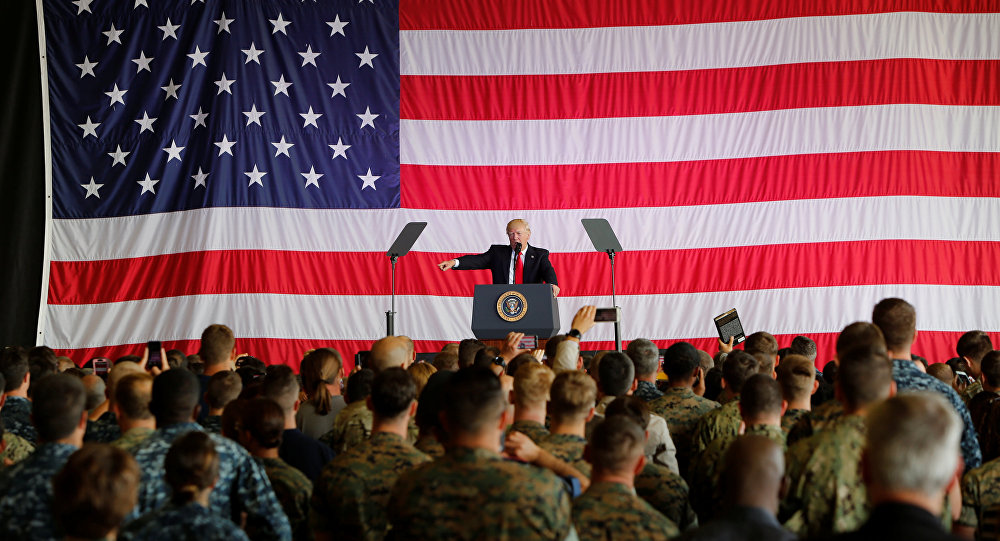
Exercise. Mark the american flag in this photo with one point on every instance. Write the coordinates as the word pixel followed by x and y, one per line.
pixel 249 163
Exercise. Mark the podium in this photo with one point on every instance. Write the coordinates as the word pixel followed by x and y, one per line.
pixel 498 309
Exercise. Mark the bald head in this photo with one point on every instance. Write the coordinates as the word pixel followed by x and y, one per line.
pixel 752 473
pixel 392 351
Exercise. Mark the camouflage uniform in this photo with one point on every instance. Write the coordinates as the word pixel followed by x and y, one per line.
pixel 613 511
pixel 682 409
pixel 242 484
pixel 792 418
pixel 981 500
pixel 212 423
pixel 971 391
pixel 353 491
pixel 647 391
pixel 569 449
pixel 16 414
pixel 293 490
pixel 16 449
pixel 533 429
pixel 667 493
pixel 104 430
pixel 827 494
pixel 132 438
pixel 189 521
pixel 824 415
pixel 430 446
pixel 26 494
pixel 724 421
pixel 475 494
pixel 351 427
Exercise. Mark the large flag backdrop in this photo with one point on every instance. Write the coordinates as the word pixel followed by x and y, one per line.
pixel 249 163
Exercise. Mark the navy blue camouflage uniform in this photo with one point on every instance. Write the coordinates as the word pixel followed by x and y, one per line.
pixel 26 494
pixel 16 414
pixel 189 521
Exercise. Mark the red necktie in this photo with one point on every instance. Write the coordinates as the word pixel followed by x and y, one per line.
pixel 518 269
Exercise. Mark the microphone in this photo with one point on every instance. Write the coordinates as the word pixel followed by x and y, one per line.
pixel 517 247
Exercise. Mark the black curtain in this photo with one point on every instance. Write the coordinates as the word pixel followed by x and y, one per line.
pixel 22 176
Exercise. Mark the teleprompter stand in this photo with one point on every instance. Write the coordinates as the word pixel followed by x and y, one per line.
pixel 604 240
pixel 399 248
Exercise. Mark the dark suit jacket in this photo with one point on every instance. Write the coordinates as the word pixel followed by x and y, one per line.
pixel 899 521
pixel 537 268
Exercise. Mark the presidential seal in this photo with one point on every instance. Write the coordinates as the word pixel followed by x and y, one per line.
pixel 512 306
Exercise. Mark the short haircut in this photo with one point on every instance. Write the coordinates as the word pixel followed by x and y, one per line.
pixel 57 406
pixel 41 363
pixel 796 375
pixel 217 344
pixel 281 385
pixel 942 372
pixel 191 464
pixel 392 392
pixel 467 351
pixel 573 394
pixel 705 360
pixel 765 363
pixel 14 366
pixel 761 342
pixel 518 361
pixel 421 372
pixel 264 421
pixel 446 360
pixel 359 385
pixel 531 384
pixel 897 319
pixel 632 407
pixel 119 371
pixel 616 443
pixel 973 345
pixel 94 491
pixel 760 396
pixel 518 222
pixel 321 367
pixel 430 404
pixel 617 374
pixel 739 366
pixel 486 356
pixel 645 356
pixel 864 376
pixel 804 346
pixel 223 387
pixel 176 358
pixel 990 366
pixel 913 443
pixel 473 400
pixel 175 396
pixel 859 334
pixel 96 388
pixel 133 394
pixel 391 351
pixel 680 360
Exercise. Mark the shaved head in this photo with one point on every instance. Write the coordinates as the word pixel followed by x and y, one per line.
pixel 752 472
pixel 392 351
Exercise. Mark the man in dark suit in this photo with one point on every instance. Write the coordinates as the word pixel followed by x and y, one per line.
pixel 530 265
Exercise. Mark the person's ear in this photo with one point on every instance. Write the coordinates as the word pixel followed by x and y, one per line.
pixel 815 387
pixel 635 385
pixel 591 413
pixel 295 406
pixel 504 419
pixel 784 407
pixel 83 420
pixel 413 409
pixel 196 412
pixel 892 389
pixel 639 465
pixel 232 354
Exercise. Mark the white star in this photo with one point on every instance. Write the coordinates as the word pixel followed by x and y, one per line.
pixel 369 180
pixel 118 156
pixel 225 146
pixel 340 149
pixel 253 115
pixel 89 128
pixel 280 86
pixel 282 147
pixel 142 62
pixel 253 54
pixel 140 3
pixel 146 123
pixel 225 85
pixel 338 88
pixel 171 90
pixel 195 1
pixel 117 96
pixel 87 67
pixel 366 58
pixel 169 30
pixel 92 188
pixel 173 151
pixel 310 117
pixel 224 23
pixel 256 177
pixel 367 118
pixel 279 25
pixel 308 56
pixel 82 5
pixel 198 57
pixel 337 26
pixel 199 178
pixel 114 35
pixel 312 177
pixel 199 119
pixel 147 185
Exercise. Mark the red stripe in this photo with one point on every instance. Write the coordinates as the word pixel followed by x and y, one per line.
pixel 697 92
pixel 493 15
pixel 638 273
pixel 703 182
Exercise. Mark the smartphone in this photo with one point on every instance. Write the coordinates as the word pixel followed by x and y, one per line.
pixel 154 360
pixel 528 342
pixel 361 359
pixel 729 326
pixel 608 315
pixel 101 365
pixel 962 377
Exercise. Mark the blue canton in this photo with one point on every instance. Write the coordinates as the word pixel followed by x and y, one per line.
pixel 16 413
pixel 26 494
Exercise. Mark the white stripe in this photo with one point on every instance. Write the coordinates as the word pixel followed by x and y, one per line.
pixel 780 311
pixel 958 36
pixel 701 137
pixel 459 232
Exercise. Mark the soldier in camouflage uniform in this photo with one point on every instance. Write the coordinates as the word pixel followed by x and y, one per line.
pixel 353 490
pixel 973 346
pixel 353 424
pixel 473 493
pixel 16 410
pixel 680 406
pixel 223 388
pixel 797 376
pixel 242 487
pixel 609 509
pixel 981 500
pixel 131 407
pixel 428 417
pixel 725 421
pixel 15 449
pixel 646 360
pixel 26 488
pixel 530 395
pixel 571 405
pixel 106 429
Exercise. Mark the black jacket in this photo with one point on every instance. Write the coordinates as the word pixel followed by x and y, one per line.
pixel 537 268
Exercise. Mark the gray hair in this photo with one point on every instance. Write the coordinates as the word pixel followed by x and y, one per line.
pixel 645 356
pixel 913 443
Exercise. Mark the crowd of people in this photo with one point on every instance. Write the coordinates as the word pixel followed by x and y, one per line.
pixel 502 443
